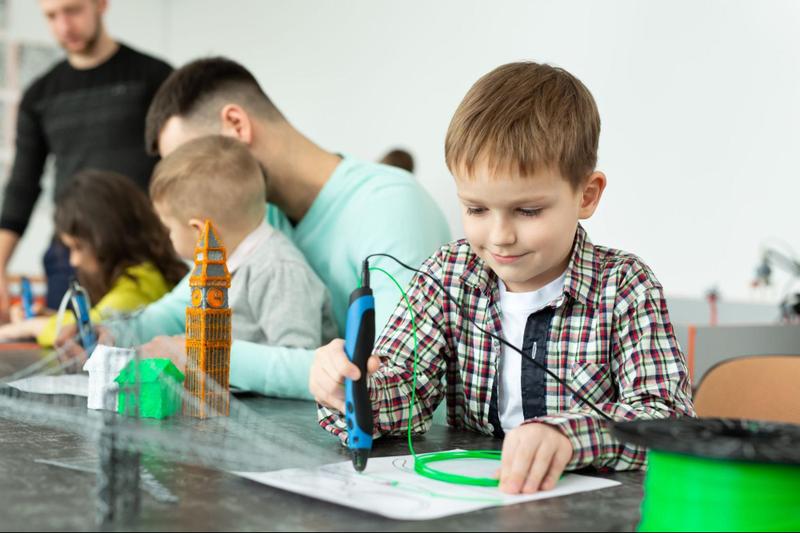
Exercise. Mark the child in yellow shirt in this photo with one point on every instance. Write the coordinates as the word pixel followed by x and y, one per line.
pixel 120 250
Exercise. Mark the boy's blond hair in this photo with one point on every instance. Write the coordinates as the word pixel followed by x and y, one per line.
pixel 213 177
pixel 523 117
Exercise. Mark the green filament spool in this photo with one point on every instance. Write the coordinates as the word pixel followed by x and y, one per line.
pixel 718 475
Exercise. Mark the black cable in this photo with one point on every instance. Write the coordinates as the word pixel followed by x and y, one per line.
pixel 465 314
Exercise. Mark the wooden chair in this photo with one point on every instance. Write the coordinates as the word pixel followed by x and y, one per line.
pixel 755 388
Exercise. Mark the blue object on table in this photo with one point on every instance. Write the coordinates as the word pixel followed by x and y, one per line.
pixel 358 345
pixel 80 306
pixel 27 297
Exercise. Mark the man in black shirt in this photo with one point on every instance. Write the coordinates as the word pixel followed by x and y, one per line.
pixel 88 111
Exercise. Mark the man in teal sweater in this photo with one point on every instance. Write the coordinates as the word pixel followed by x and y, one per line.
pixel 335 208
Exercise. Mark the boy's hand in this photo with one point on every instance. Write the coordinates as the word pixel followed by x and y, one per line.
pixel 163 347
pixel 534 456
pixel 328 371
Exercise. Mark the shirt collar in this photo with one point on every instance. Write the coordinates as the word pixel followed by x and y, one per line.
pixel 246 248
pixel 579 283
pixel 477 275
pixel 583 269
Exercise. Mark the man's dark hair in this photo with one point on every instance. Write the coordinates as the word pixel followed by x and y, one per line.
pixel 198 90
pixel 399 158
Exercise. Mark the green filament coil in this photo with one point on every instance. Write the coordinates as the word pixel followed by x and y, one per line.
pixel 422 462
pixel 684 493
pixel 718 475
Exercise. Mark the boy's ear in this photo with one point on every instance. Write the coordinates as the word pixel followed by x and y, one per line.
pixel 236 123
pixel 198 226
pixel 592 191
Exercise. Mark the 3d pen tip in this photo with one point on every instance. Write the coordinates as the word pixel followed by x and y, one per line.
pixel 360 459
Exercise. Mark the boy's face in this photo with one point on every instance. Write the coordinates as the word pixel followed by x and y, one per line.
pixel 524 227
pixel 183 235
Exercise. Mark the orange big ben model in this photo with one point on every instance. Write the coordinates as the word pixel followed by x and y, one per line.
pixel 208 330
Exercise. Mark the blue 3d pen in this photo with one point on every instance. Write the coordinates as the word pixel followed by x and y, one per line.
pixel 80 306
pixel 27 297
pixel 358 344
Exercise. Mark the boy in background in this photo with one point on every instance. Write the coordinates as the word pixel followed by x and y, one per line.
pixel 276 297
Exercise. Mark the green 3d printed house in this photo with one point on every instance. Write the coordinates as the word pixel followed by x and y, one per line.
pixel 160 383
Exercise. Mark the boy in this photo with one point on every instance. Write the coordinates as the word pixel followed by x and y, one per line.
pixel 276 298
pixel 523 147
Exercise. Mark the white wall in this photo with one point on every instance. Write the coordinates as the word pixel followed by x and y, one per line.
pixel 700 100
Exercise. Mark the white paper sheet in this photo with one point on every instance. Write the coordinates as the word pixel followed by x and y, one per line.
pixel 390 487
pixel 72 384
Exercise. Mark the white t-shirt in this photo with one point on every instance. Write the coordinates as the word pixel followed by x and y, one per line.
pixel 516 307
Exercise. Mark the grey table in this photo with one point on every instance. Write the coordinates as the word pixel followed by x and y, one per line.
pixel 36 496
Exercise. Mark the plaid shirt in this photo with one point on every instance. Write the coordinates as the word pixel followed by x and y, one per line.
pixel 610 338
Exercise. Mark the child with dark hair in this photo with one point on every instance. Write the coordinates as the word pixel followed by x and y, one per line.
pixel 118 246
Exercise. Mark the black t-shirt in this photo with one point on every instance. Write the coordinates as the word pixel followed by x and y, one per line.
pixel 88 119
